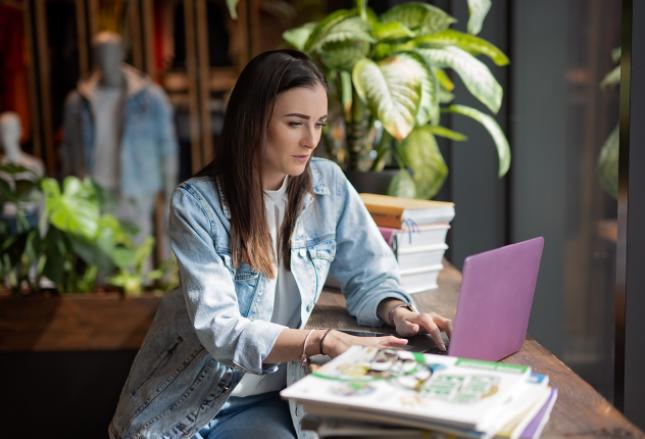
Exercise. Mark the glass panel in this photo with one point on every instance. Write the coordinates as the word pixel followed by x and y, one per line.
pixel 561 118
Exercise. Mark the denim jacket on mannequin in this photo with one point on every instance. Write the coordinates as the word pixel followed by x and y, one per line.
pixel 148 147
pixel 211 330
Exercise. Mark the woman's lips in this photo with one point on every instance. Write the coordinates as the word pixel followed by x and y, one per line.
pixel 301 158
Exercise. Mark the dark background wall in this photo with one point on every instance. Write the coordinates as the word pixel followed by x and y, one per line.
pixel 64 395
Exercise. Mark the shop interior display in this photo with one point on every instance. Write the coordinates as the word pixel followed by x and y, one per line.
pixel 118 129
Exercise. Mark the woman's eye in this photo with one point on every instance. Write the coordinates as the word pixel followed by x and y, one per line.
pixel 295 124
pixel 321 125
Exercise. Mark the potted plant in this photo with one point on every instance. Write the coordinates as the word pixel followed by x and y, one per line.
pixel 71 246
pixel 388 78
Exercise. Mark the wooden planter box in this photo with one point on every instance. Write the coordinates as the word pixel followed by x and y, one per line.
pixel 75 322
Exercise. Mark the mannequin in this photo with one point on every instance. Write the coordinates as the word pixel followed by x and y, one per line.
pixel 10 133
pixel 118 129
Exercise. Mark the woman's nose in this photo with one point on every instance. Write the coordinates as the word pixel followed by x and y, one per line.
pixel 309 138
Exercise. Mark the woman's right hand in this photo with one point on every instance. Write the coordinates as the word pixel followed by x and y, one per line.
pixel 337 342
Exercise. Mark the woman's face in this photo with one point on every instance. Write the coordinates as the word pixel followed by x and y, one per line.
pixel 293 133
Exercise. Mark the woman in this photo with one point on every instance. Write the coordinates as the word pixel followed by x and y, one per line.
pixel 255 235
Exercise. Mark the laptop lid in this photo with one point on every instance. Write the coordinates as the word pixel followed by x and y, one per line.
pixel 495 301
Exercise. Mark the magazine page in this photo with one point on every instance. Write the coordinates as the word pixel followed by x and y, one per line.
pixel 410 385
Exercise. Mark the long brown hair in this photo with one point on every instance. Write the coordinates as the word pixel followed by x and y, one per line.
pixel 237 164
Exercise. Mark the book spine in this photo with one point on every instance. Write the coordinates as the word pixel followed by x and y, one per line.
pixel 384 210
pixel 385 220
pixel 388 234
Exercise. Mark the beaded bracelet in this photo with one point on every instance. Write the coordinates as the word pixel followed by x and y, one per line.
pixel 303 358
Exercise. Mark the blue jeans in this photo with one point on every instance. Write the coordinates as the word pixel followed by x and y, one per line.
pixel 263 416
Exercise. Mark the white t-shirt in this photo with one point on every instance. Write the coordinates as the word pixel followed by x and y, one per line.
pixel 281 293
pixel 106 106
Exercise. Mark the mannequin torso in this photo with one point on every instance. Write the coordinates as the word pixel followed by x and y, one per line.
pixel 10 132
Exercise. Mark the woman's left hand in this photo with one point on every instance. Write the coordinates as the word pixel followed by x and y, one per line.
pixel 409 323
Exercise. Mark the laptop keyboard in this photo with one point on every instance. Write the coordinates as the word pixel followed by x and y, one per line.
pixel 425 344
pixel 418 343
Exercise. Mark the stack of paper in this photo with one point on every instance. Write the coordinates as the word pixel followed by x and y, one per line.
pixel 367 389
pixel 416 231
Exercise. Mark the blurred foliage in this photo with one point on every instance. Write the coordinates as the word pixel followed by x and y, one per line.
pixel 72 243
pixel 607 166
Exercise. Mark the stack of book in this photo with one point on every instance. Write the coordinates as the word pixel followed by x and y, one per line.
pixel 370 392
pixel 416 231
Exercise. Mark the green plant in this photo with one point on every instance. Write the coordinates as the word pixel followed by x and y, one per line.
pixel 80 246
pixel 387 75
pixel 607 165
pixel 21 259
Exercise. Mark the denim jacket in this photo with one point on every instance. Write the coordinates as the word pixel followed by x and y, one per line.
pixel 148 148
pixel 210 331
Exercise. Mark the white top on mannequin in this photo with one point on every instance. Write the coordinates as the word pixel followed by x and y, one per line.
pixel 107 106
pixel 10 132
pixel 282 290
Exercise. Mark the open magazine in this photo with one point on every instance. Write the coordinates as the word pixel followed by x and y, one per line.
pixel 469 398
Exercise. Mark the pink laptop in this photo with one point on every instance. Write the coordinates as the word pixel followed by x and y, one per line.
pixel 495 301
pixel 494 305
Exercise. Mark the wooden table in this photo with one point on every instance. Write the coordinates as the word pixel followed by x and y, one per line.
pixel 579 411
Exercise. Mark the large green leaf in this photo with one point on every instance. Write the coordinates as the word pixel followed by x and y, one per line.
pixel 350 30
pixel 391 30
pixel 419 17
pixel 475 75
pixel 342 55
pixel 298 36
pixel 608 163
pixel 469 43
pixel 420 153
pixel 477 11
pixel 429 106
pixel 76 209
pixel 501 143
pixel 392 90
pixel 384 49
pixel 114 242
pixel 91 253
pixel 342 25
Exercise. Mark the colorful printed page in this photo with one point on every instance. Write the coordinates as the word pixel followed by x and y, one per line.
pixel 410 385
